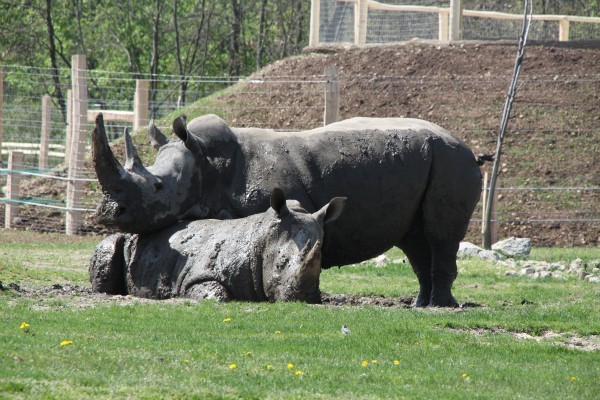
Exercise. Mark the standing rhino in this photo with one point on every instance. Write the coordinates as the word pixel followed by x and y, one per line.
pixel 275 255
pixel 409 183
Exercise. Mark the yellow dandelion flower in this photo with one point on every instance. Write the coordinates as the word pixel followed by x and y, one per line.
pixel 278 332
pixel 464 375
pixel 269 367
pixel 186 361
pixel 248 354
pixel 227 319
pixel 290 366
pixel 298 372
pixel 24 325
pixel 66 342
pixel 232 366
pixel 374 361
pixel 573 378
pixel 396 362
pixel 364 363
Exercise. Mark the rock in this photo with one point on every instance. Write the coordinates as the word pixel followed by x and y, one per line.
pixel 511 272
pixel 381 261
pixel 593 279
pixel 466 249
pixel 513 247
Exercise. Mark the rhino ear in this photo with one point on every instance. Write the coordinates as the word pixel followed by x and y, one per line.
pixel 157 138
pixel 331 211
pixel 191 141
pixel 278 203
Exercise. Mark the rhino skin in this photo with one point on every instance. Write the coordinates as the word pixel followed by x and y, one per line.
pixel 271 256
pixel 409 184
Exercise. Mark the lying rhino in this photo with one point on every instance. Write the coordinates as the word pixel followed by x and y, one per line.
pixel 409 183
pixel 275 255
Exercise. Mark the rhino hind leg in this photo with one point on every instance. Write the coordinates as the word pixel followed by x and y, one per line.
pixel 418 252
pixel 207 290
pixel 107 266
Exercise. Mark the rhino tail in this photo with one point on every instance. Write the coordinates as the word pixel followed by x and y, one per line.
pixel 484 157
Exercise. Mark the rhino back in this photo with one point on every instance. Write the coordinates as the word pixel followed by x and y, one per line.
pixel 382 166
pixel 167 263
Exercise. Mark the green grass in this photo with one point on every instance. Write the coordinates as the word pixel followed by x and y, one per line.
pixel 132 349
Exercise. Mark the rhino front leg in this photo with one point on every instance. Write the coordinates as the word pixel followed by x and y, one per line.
pixel 107 266
pixel 207 290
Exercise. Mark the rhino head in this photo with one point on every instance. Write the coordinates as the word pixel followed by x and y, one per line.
pixel 141 200
pixel 292 257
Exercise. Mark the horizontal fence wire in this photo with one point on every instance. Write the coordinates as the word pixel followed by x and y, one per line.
pixel 553 195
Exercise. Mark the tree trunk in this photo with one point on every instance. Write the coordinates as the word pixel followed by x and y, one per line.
pixel 235 66
pixel 261 34
pixel 52 49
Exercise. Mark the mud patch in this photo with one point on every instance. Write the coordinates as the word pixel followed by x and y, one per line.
pixel 356 300
pixel 565 339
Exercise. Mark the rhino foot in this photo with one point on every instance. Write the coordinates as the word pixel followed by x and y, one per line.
pixel 107 266
pixel 208 290
pixel 441 295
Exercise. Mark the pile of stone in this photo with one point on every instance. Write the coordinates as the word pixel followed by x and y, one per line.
pixel 513 254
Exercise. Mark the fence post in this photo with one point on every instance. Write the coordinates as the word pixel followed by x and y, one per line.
pixel 332 96
pixel 140 104
pixel 15 162
pixel 494 216
pixel 69 128
pixel 315 22
pixel 78 141
pixel 443 24
pixel 456 8
pixel 563 30
pixel 1 113
pixel 361 12
pixel 46 131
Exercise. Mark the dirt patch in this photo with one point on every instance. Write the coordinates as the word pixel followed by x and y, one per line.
pixel 566 339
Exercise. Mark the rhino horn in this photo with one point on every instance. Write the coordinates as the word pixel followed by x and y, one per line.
pixel 108 169
pixel 132 160
pixel 311 267
pixel 157 138
pixel 191 141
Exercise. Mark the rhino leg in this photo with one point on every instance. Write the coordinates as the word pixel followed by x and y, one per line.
pixel 418 252
pixel 207 290
pixel 107 266
pixel 444 272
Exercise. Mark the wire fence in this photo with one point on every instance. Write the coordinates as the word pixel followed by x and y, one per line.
pixel 337 23
pixel 549 187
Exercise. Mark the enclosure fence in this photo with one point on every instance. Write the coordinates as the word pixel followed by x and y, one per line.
pixel 538 192
pixel 369 22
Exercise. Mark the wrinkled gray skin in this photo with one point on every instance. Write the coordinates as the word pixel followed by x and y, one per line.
pixel 272 256
pixel 409 183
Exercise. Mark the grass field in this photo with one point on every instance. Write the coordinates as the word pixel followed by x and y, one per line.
pixel 528 339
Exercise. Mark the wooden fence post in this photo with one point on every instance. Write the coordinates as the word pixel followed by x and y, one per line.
pixel 443 25
pixel 332 96
pixel 15 162
pixel 69 128
pixel 140 104
pixel 46 131
pixel 494 216
pixel 563 30
pixel 361 12
pixel 456 8
pixel 1 113
pixel 315 23
pixel 78 141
